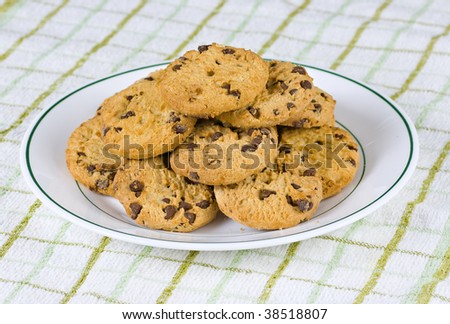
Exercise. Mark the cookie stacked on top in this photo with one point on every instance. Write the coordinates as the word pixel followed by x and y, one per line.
pixel 218 129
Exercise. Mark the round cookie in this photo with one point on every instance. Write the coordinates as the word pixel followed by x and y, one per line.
pixel 329 153
pixel 213 80
pixel 215 154
pixel 288 92
pixel 140 124
pixel 270 200
pixel 89 161
pixel 319 112
pixel 158 198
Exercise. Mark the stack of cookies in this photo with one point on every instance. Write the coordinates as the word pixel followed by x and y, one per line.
pixel 218 129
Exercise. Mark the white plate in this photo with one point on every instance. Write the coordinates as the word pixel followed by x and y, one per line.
pixel 387 142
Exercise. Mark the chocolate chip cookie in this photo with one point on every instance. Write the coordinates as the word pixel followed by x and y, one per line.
pixel 319 112
pixel 89 161
pixel 138 122
pixel 158 198
pixel 215 154
pixel 270 200
pixel 287 93
pixel 212 80
pixel 329 153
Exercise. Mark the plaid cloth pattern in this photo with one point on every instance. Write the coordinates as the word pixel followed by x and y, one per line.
pixel 398 254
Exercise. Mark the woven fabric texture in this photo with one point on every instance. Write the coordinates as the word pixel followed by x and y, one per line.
pixel 398 254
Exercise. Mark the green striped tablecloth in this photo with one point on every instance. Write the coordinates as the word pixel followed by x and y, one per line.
pixel 398 254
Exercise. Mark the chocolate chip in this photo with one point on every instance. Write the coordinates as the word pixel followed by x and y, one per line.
pixel 323 95
pixel 309 172
pixel 99 108
pixel 90 168
pixel 194 175
pixel 285 148
pixel 128 114
pixel 253 111
pixel 295 186
pixel 250 131
pixel 138 194
pixel 317 108
pixel 300 123
pixel 352 162
pixel 257 140
pixel 228 51
pixel 176 67
pixel 166 200
pixel 173 118
pixel 112 175
pixel 290 105
pixel 170 211
pixel 135 210
pixel 216 136
pixel 192 146
pixel 264 193
pixel 189 181
pixel 298 69
pixel 338 136
pixel 249 148
pixel 283 85
pixel 276 112
pixel 81 154
pixel 289 200
pixel 304 205
pixel 305 84
pixel 106 130
pixel 226 86
pixel 203 48
pixel 183 58
pixel 235 93
pixel 149 78
pixel 265 131
pixel 351 147
pixel 191 217
pixel 179 129
pixel 273 64
pixel 203 204
pixel 102 184
pixel 184 205
pixel 293 91
pixel 118 129
pixel 136 186
pixel 319 142
pixel 129 98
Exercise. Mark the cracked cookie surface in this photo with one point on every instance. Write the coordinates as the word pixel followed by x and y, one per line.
pixel 288 91
pixel 329 153
pixel 212 80
pixel 86 159
pixel 319 112
pixel 215 154
pixel 140 123
pixel 270 200
pixel 158 198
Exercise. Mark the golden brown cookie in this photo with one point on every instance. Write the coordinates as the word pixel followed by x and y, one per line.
pixel 319 112
pixel 158 198
pixel 215 154
pixel 136 120
pixel 89 161
pixel 270 200
pixel 213 80
pixel 288 92
pixel 329 153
